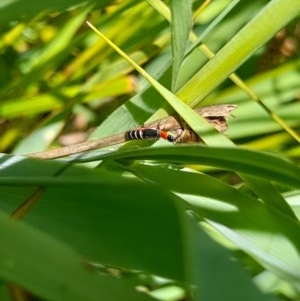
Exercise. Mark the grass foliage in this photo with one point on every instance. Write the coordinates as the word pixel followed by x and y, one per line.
pixel 148 221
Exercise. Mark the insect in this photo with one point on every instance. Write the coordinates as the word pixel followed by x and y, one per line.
pixel 216 115
pixel 148 134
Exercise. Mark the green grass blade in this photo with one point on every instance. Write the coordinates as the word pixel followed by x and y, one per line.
pixel 83 208
pixel 52 270
pixel 255 33
pixel 212 25
pixel 262 232
pixel 10 10
pixel 210 266
pixel 247 162
pixel 181 24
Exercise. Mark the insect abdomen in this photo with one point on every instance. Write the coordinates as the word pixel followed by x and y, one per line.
pixel 141 134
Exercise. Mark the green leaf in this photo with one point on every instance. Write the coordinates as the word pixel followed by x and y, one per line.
pixel 104 216
pixel 254 34
pixel 181 24
pixel 264 233
pixel 210 266
pixel 51 269
pixel 13 9
pixel 259 164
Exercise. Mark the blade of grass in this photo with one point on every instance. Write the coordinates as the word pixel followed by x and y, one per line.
pixel 206 259
pixel 262 232
pixel 236 51
pixel 181 25
pixel 249 29
pixel 12 10
pixel 261 28
pixel 263 166
pixel 247 163
pixel 39 267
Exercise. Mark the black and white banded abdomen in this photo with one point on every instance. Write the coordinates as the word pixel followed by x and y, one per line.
pixel 142 134
pixel 148 134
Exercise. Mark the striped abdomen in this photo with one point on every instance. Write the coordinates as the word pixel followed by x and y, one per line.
pixel 148 134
